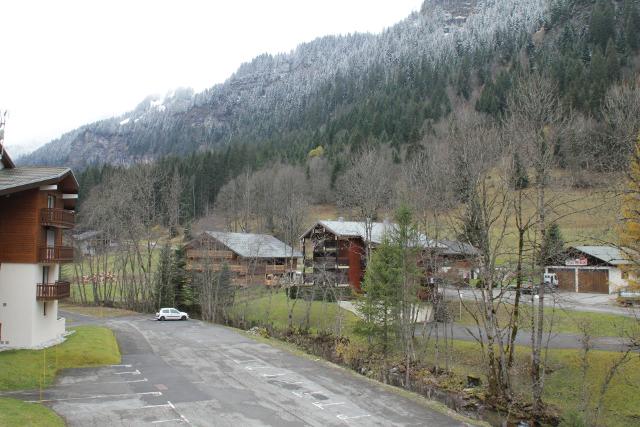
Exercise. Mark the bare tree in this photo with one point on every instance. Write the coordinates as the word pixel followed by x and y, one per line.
pixel 366 188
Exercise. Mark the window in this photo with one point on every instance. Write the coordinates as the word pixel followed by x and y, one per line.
pixel 44 308
pixel 45 274
pixel 51 201
pixel 174 311
pixel 625 275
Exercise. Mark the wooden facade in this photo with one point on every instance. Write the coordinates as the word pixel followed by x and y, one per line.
pixel 210 254
pixel 333 259
pixel 32 224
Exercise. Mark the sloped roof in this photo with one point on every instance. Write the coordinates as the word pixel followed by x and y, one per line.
pixel 609 254
pixel 455 247
pixel 23 178
pixel 86 235
pixel 378 231
pixel 249 245
pixel 357 229
pixel 5 159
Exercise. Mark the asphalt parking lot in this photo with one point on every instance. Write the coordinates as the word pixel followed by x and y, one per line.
pixel 195 373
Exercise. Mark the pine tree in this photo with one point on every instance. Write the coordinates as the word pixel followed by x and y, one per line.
pixel 602 26
pixel 613 64
pixel 553 245
pixel 519 177
pixel 164 291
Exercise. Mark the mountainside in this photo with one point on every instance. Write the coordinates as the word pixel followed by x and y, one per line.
pixel 318 93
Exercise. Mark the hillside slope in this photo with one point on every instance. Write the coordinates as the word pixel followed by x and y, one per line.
pixel 287 101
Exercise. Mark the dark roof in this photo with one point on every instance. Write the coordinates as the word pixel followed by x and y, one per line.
pixel 13 180
pixel 86 235
pixel 4 156
pixel 249 245
pixel 455 247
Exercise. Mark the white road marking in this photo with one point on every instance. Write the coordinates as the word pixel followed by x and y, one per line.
pixel 179 420
pixel 156 406
pixel 182 417
pixel 324 405
pixel 136 372
pixel 120 366
pixel 347 417
pixel 245 361
pixel 273 375
pixel 102 396
pixel 251 368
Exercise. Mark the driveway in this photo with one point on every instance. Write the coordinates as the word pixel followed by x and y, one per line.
pixel 594 303
pixel 195 373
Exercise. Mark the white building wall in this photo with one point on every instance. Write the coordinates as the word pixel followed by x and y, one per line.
pixel 24 323
pixel 615 280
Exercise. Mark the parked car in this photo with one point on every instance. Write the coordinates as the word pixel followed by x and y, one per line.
pixel 171 314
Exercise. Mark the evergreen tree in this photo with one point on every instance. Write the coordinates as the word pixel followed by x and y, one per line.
pixel 602 26
pixel 164 290
pixel 553 245
pixel 519 177
pixel 613 64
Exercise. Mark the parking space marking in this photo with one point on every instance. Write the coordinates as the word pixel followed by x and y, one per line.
pixel 347 417
pixel 274 375
pixel 323 405
pixel 136 372
pixel 120 366
pixel 167 421
pixel 102 396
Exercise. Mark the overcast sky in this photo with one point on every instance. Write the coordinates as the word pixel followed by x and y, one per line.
pixel 66 63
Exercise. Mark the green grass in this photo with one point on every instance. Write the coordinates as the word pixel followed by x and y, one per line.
pixel 15 413
pixel 275 311
pixel 561 321
pixel 563 384
pixel 31 369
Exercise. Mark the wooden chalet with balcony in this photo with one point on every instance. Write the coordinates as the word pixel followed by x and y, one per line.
pixel 36 207
pixel 334 254
pixel 252 259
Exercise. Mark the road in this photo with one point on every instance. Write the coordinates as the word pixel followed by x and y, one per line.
pixel 195 373
pixel 594 303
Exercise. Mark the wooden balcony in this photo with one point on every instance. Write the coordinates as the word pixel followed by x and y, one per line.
pixel 275 269
pixel 60 218
pixel 53 291
pixel 55 254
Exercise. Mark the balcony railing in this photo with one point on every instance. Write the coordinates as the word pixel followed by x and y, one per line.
pixel 53 217
pixel 52 291
pixel 55 254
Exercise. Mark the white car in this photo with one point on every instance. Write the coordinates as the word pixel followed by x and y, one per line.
pixel 171 314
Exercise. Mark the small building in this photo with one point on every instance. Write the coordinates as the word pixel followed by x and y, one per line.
pixel 591 269
pixel 252 259
pixel 458 260
pixel 36 205
pixel 92 242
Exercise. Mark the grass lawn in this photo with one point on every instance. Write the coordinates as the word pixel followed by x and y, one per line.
pixel 18 413
pixel 563 384
pixel 96 311
pixel 563 321
pixel 274 310
pixel 30 369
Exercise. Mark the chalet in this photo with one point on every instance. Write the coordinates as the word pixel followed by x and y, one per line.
pixel 458 259
pixel 334 252
pixel 253 259
pixel 592 269
pixel 36 205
